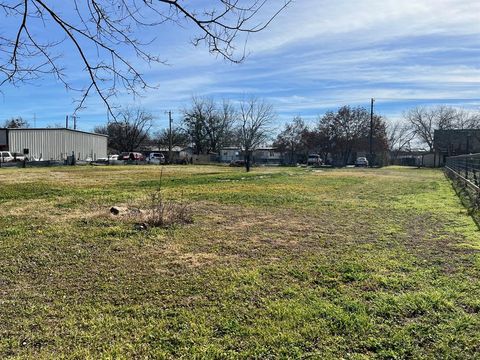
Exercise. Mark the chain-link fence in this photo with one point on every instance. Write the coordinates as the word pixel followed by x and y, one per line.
pixel 465 168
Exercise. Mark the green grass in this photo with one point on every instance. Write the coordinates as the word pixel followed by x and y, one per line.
pixel 279 263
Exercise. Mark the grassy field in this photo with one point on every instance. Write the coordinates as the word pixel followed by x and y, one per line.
pixel 279 263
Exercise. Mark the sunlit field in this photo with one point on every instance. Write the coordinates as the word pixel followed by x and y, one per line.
pixel 278 263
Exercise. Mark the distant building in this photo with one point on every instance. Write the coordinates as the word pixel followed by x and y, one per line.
pixel 229 154
pixel 267 155
pixel 262 155
pixel 54 144
pixel 412 157
pixel 455 142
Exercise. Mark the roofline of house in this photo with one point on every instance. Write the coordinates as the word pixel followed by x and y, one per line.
pixel 50 129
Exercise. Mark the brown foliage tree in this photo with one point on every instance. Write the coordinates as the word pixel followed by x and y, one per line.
pixel 347 131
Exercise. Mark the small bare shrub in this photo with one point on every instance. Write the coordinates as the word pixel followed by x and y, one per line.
pixel 159 212
pixel 163 212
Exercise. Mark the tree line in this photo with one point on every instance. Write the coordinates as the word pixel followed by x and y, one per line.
pixel 337 136
pixel 207 126
pixel 342 133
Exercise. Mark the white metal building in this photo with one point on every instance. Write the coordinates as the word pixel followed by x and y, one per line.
pixel 54 144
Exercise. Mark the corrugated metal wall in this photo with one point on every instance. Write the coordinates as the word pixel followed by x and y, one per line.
pixel 57 144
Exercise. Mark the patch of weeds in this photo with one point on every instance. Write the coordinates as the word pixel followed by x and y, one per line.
pixel 165 213
pixel 160 212
pixel 413 304
pixel 352 272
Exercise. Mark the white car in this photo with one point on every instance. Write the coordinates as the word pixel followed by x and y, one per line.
pixel 6 156
pixel 361 161
pixel 19 157
pixel 314 159
pixel 156 158
pixel 106 160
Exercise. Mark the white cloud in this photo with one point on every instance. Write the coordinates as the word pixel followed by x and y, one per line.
pixel 318 55
pixel 367 21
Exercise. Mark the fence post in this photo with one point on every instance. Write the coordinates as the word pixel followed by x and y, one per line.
pixel 466 167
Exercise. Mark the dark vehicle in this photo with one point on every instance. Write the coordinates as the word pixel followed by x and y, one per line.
pixel 132 156
pixel 238 163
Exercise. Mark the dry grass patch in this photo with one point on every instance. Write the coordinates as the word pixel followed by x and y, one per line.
pixel 350 264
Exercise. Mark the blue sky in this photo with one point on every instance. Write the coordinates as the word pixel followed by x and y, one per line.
pixel 316 56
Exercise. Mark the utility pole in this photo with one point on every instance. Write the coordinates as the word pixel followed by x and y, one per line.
pixel 371 131
pixel 169 137
pixel 66 122
pixel 74 122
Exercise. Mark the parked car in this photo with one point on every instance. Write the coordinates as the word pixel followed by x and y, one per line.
pixel 105 160
pixel 6 156
pixel 19 157
pixel 133 156
pixel 361 161
pixel 156 158
pixel 314 159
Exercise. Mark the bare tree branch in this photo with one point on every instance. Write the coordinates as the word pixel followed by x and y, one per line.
pixel 103 34
pixel 424 121
pixel 255 118
pixel 399 137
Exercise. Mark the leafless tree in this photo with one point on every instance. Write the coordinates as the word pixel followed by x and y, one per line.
pixel 194 119
pixel 104 34
pixel 399 137
pixel 424 121
pixel 178 135
pixel 466 119
pixel 130 130
pixel 220 127
pixel 15 123
pixel 255 118
pixel 209 125
pixel 291 140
